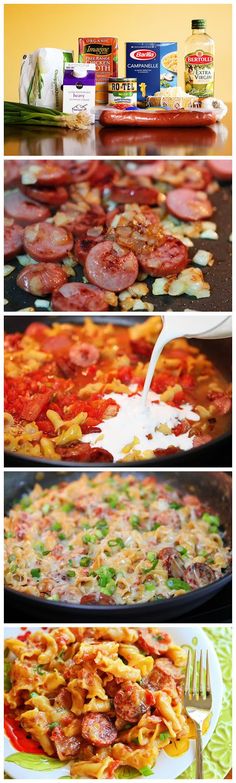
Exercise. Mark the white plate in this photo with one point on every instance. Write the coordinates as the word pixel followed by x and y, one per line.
pixel 166 767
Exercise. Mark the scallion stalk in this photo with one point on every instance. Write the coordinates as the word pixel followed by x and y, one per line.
pixel 24 115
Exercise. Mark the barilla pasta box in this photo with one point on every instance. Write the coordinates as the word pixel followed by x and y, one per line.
pixel 103 52
pixel 154 65
pixel 79 89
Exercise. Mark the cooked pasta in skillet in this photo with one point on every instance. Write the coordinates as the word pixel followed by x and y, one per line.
pixel 66 384
pixel 112 539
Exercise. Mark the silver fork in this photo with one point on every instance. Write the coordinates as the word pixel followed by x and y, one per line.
pixel 197 701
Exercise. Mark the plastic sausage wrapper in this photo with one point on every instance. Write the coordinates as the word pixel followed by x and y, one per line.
pixel 157 119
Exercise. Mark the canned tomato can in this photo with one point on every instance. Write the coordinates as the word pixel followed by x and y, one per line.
pixel 122 92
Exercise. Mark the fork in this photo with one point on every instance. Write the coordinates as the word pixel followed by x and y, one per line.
pixel 197 701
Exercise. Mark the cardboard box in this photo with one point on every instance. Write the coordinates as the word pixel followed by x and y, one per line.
pixel 154 65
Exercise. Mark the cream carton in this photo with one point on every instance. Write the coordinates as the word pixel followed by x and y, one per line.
pixel 79 88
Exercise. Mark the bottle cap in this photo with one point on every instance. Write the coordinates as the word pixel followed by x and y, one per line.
pixel 198 24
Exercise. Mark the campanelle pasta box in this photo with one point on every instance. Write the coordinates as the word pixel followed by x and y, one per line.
pixel 79 89
pixel 154 65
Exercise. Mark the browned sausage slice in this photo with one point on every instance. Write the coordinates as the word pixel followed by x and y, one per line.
pixel 153 643
pixel 131 702
pixel 41 279
pixel 45 242
pixel 199 575
pixel 24 211
pixel 168 258
pixel 78 297
pixel 134 194
pixel 98 730
pixel 110 267
pixel 52 196
pixel 222 169
pixel 188 204
pixel 13 240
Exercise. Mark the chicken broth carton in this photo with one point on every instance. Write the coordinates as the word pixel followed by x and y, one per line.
pixel 79 89
pixel 154 65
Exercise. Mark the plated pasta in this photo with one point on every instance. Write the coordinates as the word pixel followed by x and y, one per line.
pixel 72 392
pixel 106 701
pixel 112 539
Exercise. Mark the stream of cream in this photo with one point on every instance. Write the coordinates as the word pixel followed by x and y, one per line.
pixel 143 419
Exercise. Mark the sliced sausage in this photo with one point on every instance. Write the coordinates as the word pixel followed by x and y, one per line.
pixel 13 241
pixel 168 258
pixel 78 297
pixel 41 279
pixel 159 681
pixel 134 194
pixel 172 562
pixel 66 747
pixel 85 170
pixel 97 599
pixel 196 175
pixel 98 730
pixel 24 211
pixel 83 354
pixel 153 643
pixel 108 268
pixel 45 242
pixel 83 223
pixel 12 169
pixel 83 452
pixel 199 575
pixel 131 702
pixel 188 204
pixel 52 196
pixel 221 401
pixel 46 174
pixel 222 169
pixel 166 666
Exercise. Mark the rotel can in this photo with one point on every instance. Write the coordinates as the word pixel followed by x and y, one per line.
pixel 122 92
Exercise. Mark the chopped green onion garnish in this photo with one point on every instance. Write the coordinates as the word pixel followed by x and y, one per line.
pixel 35 572
pixel 175 505
pixel 70 574
pixel 116 542
pixel 56 526
pixel 150 586
pixel 85 562
pixel 112 500
pixel 62 536
pixel 67 507
pixel 53 725
pixel 178 584
pixel 25 502
pixel 164 735
pixel 135 521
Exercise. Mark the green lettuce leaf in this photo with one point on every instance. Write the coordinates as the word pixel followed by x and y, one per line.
pixel 33 761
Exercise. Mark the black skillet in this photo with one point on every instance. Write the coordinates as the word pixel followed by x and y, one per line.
pixel 212 488
pixel 216 453
pixel 219 276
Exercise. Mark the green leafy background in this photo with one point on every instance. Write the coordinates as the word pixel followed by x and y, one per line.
pixel 217 755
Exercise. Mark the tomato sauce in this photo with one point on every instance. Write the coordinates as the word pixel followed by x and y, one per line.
pixel 18 736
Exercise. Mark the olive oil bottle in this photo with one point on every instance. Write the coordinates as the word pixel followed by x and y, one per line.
pixel 199 61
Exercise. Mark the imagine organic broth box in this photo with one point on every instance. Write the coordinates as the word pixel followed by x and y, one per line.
pixel 154 65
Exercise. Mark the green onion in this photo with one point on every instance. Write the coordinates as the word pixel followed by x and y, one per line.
pixel 85 562
pixel 116 542
pixel 212 520
pixel 89 538
pixel 56 526
pixel 67 507
pixel 35 572
pixel 110 588
pixel 175 505
pixel 40 670
pixel 146 771
pixel 7 681
pixel 156 525
pixel 182 550
pixel 105 576
pixel 62 536
pixel 178 584
pixel 46 508
pixel 135 521
pixel 25 502
pixel 8 534
pixel 153 560
pixel 33 694
pixel 164 735
pixel 70 574
pixel 112 500
pixel 53 725
pixel 22 114
pixel 150 586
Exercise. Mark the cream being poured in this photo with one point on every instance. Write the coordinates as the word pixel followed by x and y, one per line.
pixel 144 422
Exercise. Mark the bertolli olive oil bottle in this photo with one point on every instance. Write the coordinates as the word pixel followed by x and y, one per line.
pixel 199 61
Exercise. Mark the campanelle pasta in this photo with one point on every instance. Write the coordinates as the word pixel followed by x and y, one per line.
pixel 99 699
